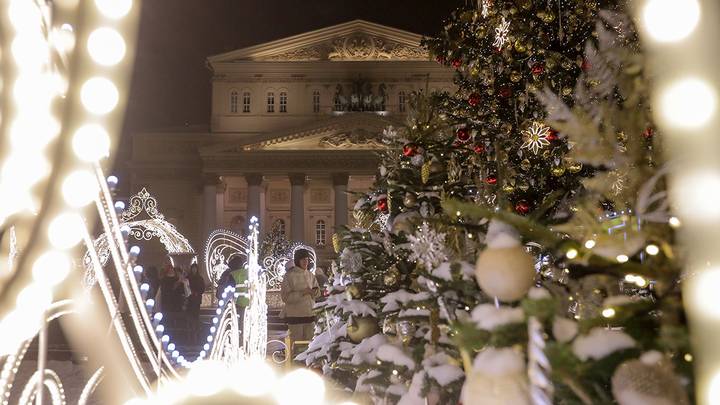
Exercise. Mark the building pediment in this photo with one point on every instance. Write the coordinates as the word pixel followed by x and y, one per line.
pixel 346 131
pixel 353 41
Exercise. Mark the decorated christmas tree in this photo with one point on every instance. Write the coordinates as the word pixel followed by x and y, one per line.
pixel 543 170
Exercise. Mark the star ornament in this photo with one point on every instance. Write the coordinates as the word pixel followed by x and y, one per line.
pixel 536 137
pixel 501 34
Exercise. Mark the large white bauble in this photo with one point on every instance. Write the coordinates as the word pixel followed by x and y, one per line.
pixel 484 389
pixel 506 273
pixel 637 383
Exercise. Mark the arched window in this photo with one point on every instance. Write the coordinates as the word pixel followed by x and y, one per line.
pixel 316 101
pixel 283 102
pixel 401 102
pixel 237 225
pixel 271 102
pixel 246 102
pixel 279 225
pixel 233 101
pixel 320 233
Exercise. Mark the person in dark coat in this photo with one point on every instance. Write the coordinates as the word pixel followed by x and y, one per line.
pixel 197 288
pixel 172 290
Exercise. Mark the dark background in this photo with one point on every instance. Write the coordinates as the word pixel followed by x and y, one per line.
pixel 171 85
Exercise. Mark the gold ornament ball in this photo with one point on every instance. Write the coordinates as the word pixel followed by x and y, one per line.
pixel 410 200
pixel 391 277
pixel 505 273
pixel 354 291
pixel 557 171
pixel 574 167
pixel 362 328
pixel 508 188
pixel 474 71
pixel 515 77
pixel 525 165
pixel 635 382
pixel 520 47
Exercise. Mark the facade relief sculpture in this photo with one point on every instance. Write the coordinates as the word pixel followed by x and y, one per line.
pixel 359 47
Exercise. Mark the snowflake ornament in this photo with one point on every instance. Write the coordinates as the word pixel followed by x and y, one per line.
pixel 536 137
pixel 428 247
pixel 501 34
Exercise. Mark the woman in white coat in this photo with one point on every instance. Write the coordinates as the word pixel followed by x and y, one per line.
pixel 299 290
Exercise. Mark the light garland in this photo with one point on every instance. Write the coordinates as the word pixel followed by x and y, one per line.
pixel 680 36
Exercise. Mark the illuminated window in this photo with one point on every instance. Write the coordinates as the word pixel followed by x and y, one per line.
pixel 270 102
pixel 316 101
pixel 320 233
pixel 283 102
pixel 246 102
pixel 233 101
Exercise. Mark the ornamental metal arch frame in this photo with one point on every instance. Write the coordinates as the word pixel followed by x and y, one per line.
pixel 156 226
pixel 275 267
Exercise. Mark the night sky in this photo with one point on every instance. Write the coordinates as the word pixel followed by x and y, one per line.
pixel 171 85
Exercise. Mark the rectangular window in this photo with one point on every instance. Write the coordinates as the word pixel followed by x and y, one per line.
pixel 233 102
pixel 316 101
pixel 320 233
pixel 270 102
pixel 283 102
pixel 246 102
pixel 401 102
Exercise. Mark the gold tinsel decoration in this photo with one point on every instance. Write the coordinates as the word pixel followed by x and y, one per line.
pixel 425 172
pixel 336 243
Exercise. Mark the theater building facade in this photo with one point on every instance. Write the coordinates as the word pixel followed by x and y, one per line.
pixel 293 132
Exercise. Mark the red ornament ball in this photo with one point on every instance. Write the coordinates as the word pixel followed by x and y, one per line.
pixel 505 92
pixel 491 180
pixel 648 133
pixel 440 60
pixel 474 99
pixel 410 150
pixel 463 135
pixel 552 135
pixel 538 69
pixel 522 207
pixel 456 63
pixel 382 205
pixel 479 148
pixel 585 66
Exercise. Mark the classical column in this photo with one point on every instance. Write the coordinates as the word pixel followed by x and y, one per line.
pixel 220 203
pixel 210 214
pixel 340 183
pixel 297 207
pixel 254 182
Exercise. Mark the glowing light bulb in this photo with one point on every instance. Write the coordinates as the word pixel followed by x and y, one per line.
pixel 80 188
pixel 91 143
pixel 688 103
pixel 641 282
pixel 608 312
pixel 704 292
pixel 300 387
pixel 22 171
pixel 674 222
pixel 253 378
pixel 571 254
pixel 652 250
pixel 106 46
pixel 207 378
pixel 99 95
pixel 63 38
pixel 30 51
pixel 114 8
pixel 622 258
pixel 670 20
pixel 32 132
pixel 713 392
pixel 23 14
pixel 590 244
pixel 51 268
pixel 698 192
pixel 66 230
pixel 34 299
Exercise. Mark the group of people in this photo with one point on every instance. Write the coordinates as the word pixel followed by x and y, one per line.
pixel 178 293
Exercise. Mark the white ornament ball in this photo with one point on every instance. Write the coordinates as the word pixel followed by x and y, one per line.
pixel 506 273
pixel 498 378
pixel 638 383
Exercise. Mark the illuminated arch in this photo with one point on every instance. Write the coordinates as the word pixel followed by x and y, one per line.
pixel 143 230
